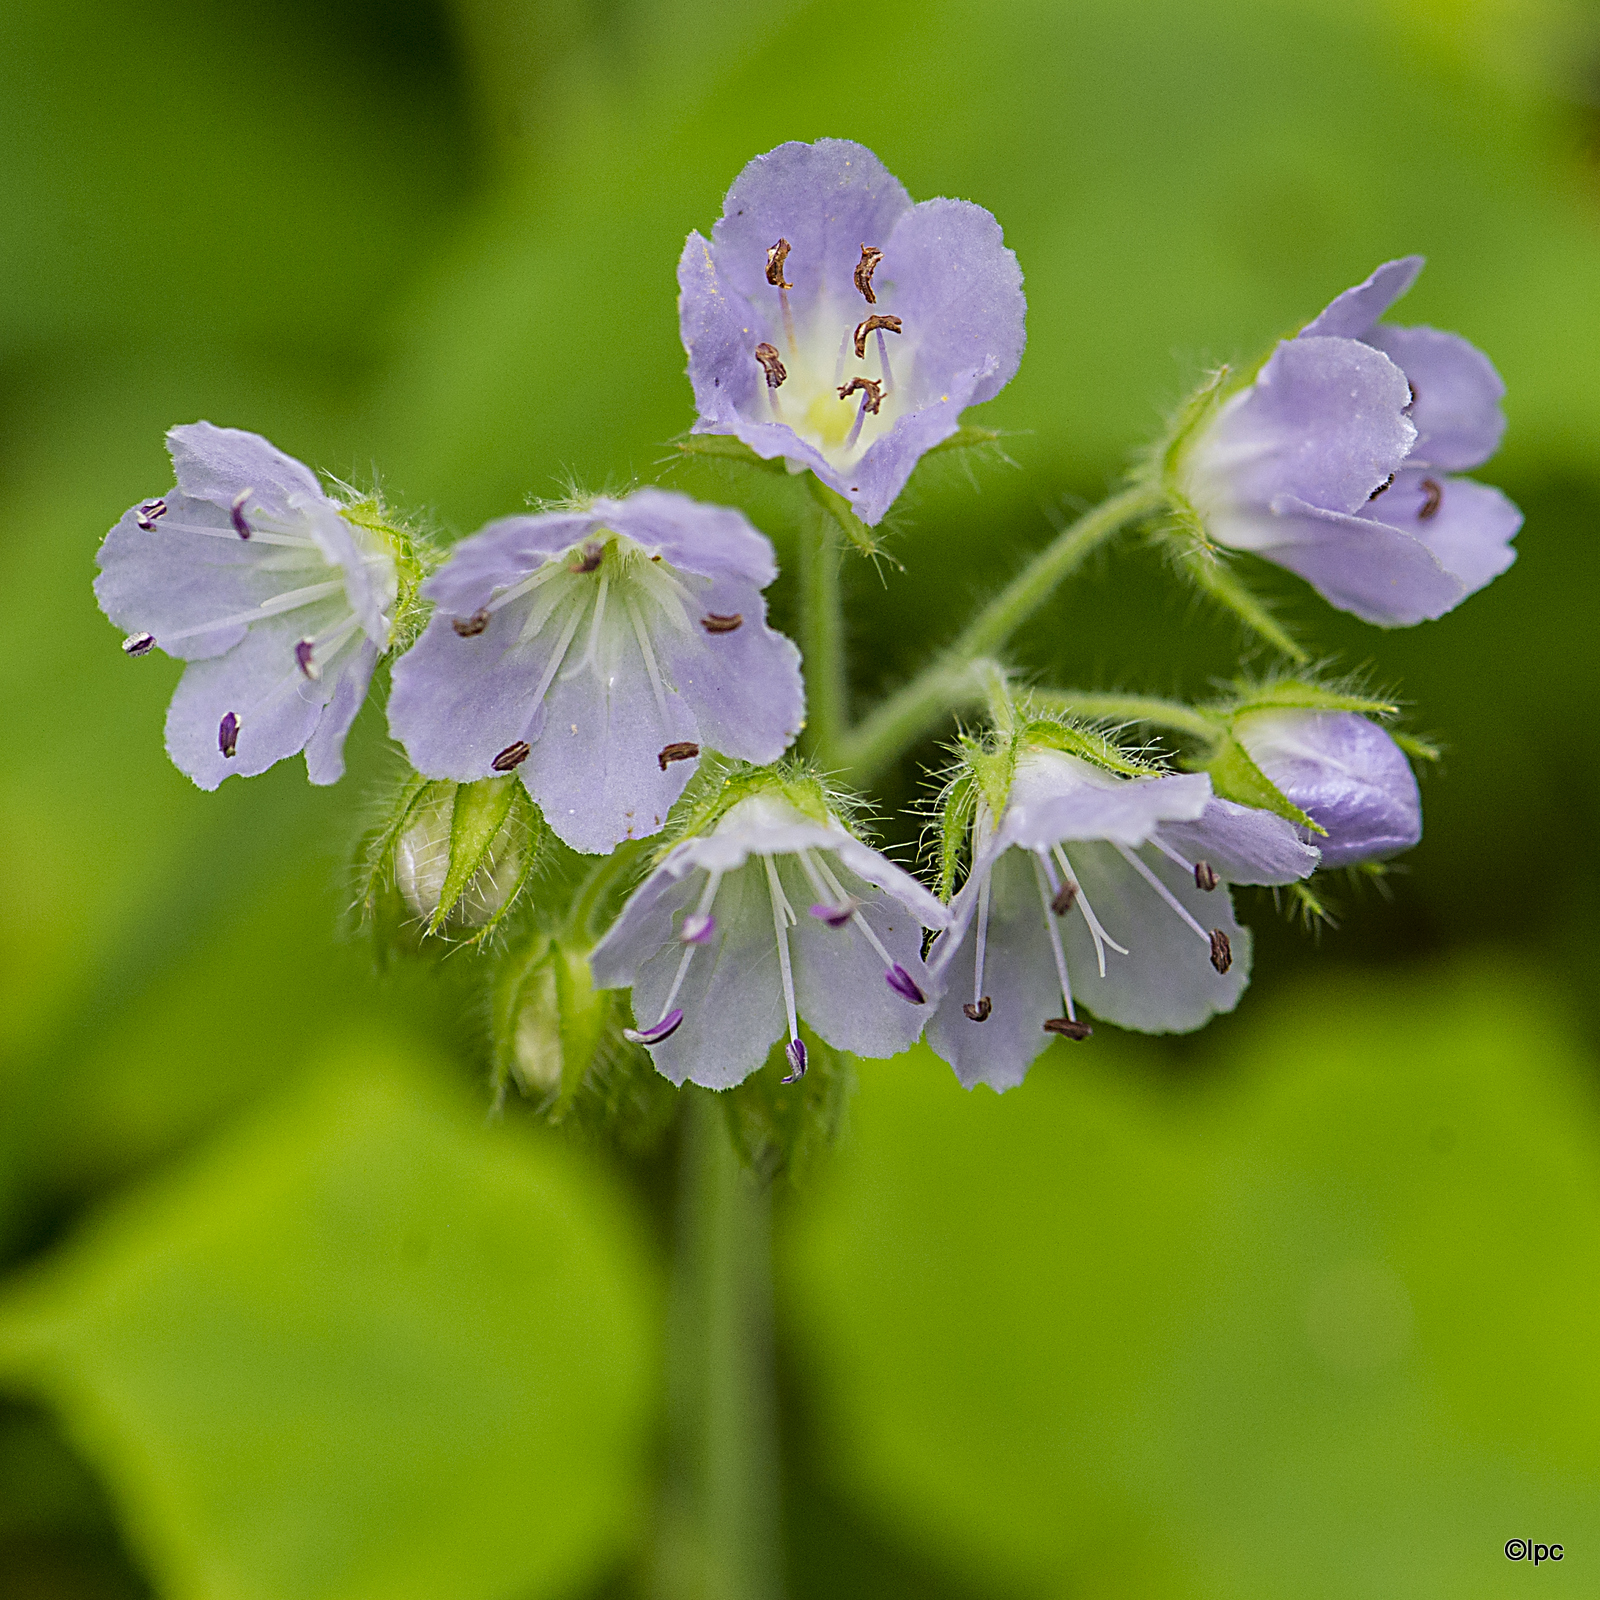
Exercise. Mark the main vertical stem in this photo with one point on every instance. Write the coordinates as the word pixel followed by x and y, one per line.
pixel 822 634
pixel 719 1536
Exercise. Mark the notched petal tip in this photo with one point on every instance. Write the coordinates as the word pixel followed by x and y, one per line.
pixel 1068 1027
pixel 512 756
pixel 664 1029
pixel 978 1010
pixel 1221 950
pixel 795 1051
pixel 904 985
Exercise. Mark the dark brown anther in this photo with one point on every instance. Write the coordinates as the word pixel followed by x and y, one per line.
pixel 146 515
pixel 589 557
pixel 1205 876
pixel 715 623
pixel 139 644
pixel 512 756
pixel 1062 900
pixel 1433 498
pixel 865 267
pixel 1387 482
pixel 870 387
pixel 1068 1028
pixel 683 750
pixel 888 324
pixel 471 627
pixel 978 1010
pixel 228 735
pixel 240 526
pixel 771 364
pixel 304 658
pixel 776 257
pixel 1221 950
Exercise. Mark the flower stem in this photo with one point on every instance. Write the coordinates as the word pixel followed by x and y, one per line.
pixel 822 629
pixel 719 1535
pixel 1128 708
pixel 952 682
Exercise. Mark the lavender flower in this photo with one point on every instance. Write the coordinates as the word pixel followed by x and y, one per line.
pixel 1344 772
pixel 278 601
pixel 1335 463
pixel 777 913
pixel 1100 891
pixel 596 652
pixel 830 321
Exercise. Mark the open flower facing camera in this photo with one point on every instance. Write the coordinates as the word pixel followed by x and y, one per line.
pixel 569 684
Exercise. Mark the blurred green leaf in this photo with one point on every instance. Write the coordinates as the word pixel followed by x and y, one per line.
pixel 1324 1324
pixel 359 1347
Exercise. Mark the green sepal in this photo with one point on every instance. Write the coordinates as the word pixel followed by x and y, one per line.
pixel 782 1130
pixel 721 784
pixel 477 818
pixel 1304 902
pixel 835 505
pixel 1090 744
pixel 1296 694
pixel 1199 563
pixel 957 810
pixel 1236 777
pixel 549 1021
pixel 1189 418
pixel 416 553
pixel 725 447
pixel 1417 749
pixel 967 438
pixel 381 906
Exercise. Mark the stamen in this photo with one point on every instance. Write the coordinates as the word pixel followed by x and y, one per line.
pixel 512 756
pixel 1055 937
pixel 139 644
pixel 147 513
pixel 888 324
pixel 1433 492
pixel 228 735
pixel 690 945
pixel 240 526
pixel 290 600
pixel 712 622
pixel 865 267
pixel 1096 931
pixel 771 364
pixel 795 1050
pixel 781 907
pixel 681 750
pixel 978 1010
pixel 979 998
pixel 1166 894
pixel 904 984
pixel 883 365
pixel 1221 950
pixel 1068 1027
pixel 471 627
pixel 872 393
pixel 894 975
pixel 664 1029
pixel 303 659
pixel 656 685
pixel 589 557
pixel 776 256
pixel 558 655
pixel 526 586
pixel 1387 482
pixel 594 627
pixel 697 928
pixel 1205 876
pixel 257 536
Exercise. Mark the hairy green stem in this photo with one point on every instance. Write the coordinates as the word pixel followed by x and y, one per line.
pixel 1128 708
pixel 719 1535
pixel 953 682
pixel 822 631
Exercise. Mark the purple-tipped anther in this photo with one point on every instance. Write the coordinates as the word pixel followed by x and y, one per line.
pixel 236 513
pixel 228 735
pixel 147 513
pixel 835 916
pixel 697 927
pixel 305 659
pixel 664 1029
pixel 903 985
pixel 795 1050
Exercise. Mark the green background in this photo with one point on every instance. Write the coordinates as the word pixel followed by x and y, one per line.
pixel 1306 1304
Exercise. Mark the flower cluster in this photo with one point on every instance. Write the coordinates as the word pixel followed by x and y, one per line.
pixel 569 682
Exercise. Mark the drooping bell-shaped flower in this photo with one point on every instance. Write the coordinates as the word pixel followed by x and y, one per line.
pixel 596 652
pixel 777 913
pixel 278 600
pixel 832 322
pixel 1336 461
pixel 1101 892
pixel 1345 773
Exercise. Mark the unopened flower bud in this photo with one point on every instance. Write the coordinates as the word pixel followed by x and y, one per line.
pixel 462 855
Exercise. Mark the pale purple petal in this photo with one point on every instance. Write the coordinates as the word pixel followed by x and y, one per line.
pixel 714 541
pixel 1353 314
pixel 1057 796
pixel 1468 526
pixel 1343 771
pixel 1166 983
pixel 1241 844
pixel 325 747
pixel 1456 396
pixel 1325 422
pixel 1379 572
pixel 215 464
pixel 500 554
